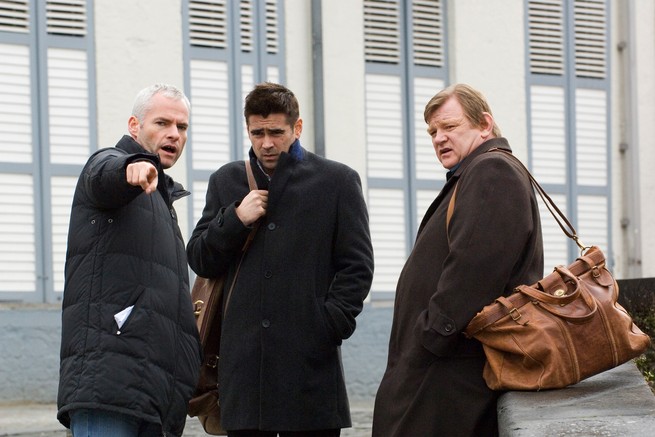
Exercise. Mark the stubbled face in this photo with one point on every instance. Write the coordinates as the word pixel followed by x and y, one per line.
pixel 163 130
pixel 270 137
pixel 453 135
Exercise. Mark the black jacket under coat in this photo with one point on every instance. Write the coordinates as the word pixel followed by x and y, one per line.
pixel 301 285
pixel 125 248
pixel 433 383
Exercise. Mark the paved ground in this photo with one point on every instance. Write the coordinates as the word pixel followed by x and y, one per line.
pixel 39 420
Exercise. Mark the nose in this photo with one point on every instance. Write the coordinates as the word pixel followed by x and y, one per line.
pixel 173 132
pixel 438 138
pixel 268 142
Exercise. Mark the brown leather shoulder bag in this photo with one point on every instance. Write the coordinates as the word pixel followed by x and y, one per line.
pixel 566 327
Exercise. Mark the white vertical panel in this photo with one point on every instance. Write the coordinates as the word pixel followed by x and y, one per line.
pixel 247 84
pixel 208 23
pixel 591 136
pixel 272 27
pixel 210 124
pixel 382 31
pixel 14 16
pixel 548 130
pixel 593 228
pixel 63 188
pixel 15 104
pixel 555 241
pixel 17 230
pixel 66 17
pixel 384 144
pixel 387 221
pixel 590 18
pixel 427 164
pixel 247 26
pixel 424 199
pixel 273 74
pixel 546 36
pixel 427 33
pixel 68 111
pixel 198 195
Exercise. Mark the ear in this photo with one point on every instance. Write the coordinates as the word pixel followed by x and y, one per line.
pixel 488 129
pixel 297 128
pixel 133 126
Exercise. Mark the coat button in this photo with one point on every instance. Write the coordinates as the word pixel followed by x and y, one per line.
pixel 271 226
pixel 266 323
pixel 448 327
pixel 268 274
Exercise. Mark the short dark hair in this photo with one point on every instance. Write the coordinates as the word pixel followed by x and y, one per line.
pixel 272 98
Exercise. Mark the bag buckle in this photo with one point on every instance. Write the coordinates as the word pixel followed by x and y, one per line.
pixel 515 314
pixel 212 361
pixel 595 272
pixel 197 307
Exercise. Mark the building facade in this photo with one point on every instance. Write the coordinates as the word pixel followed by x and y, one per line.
pixel 569 81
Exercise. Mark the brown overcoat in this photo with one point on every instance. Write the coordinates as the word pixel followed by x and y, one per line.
pixel 433 383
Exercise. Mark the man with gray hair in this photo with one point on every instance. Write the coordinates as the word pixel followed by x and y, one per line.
pixel 130 353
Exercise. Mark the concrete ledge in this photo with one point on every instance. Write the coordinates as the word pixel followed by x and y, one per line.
pixel 617 402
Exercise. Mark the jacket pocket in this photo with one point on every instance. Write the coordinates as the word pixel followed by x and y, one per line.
pixel 123 317
pixel 329 332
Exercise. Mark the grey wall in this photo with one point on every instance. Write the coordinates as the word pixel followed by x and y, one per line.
pixel 365 353
pixel 29 352
pixel 30 339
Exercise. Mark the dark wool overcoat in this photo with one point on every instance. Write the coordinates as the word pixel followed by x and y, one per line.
pixel 301 285
pixel 433 383
pixel 124 249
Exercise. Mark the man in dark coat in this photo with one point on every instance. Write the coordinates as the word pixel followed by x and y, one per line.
pixel 433 383
pixel 302 281
pixel 130 353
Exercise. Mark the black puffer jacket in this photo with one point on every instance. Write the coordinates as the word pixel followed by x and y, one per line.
pixel 125 248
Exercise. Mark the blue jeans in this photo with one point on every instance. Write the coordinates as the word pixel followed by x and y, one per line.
pixel 101 423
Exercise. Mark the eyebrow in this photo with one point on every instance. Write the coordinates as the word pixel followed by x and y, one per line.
pixel 271 131
pixel 169 121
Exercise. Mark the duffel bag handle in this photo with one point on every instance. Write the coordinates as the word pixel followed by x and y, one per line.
pixel 560 297
pixel 555 302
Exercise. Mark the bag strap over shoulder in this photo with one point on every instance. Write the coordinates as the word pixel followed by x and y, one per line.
pixel 557 214
pixel 451 208
pixel 252 183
